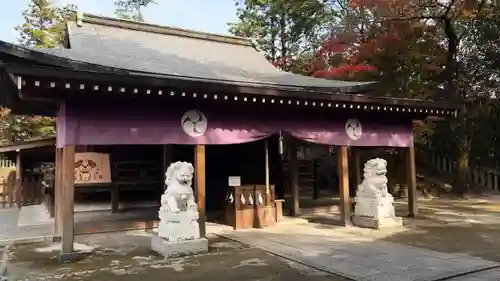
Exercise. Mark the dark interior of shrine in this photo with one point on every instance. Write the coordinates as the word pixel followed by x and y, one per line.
pixel 139 170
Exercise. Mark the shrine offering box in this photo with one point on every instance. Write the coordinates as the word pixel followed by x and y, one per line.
pixel 246 207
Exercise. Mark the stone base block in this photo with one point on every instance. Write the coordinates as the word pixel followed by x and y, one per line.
pixel 368 222
pixel 69 257
pixel 171 249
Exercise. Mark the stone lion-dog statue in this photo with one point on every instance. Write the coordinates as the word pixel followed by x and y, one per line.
pixel 179 196
pixel 374 182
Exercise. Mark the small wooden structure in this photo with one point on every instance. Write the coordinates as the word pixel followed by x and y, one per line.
pixel 128 83
pixel 26 184
pixel 247 208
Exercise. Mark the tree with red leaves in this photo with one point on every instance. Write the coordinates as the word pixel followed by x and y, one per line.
pixel 333 60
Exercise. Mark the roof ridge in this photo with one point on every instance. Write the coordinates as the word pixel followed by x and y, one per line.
pixel 83 18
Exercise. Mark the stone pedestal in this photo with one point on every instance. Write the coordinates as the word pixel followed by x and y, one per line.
pixel 178 226
pixel 179 235
pixel 172 249
pixel 375 212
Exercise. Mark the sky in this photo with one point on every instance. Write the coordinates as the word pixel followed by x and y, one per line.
pixel 202 15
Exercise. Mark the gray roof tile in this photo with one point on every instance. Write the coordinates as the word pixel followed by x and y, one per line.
pixel 137 50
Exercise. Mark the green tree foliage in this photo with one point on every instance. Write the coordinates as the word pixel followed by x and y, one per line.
pixel 44 27
pixel 283 30
pixel 131 9
pixel 44 24
pixel 14 128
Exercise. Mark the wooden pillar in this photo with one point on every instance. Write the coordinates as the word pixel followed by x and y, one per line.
pixel 411 181
pixel 18 165
pixel 19 180
pixel 200 185
pixel 316 186
pixel 11 187
pixel 167 159
pixel 356 155
pixel 268 184
pixel 114 189
pixel 67 206
pixel 293 173
pixel 58 198
pixel 115 198
pixel 345 202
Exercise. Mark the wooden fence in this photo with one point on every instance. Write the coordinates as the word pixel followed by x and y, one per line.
pixel 479 176
pixel 8 190
pixel 13 193
pixel 6 163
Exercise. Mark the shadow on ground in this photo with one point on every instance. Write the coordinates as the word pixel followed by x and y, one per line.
pixel 450 226
pixel 127 256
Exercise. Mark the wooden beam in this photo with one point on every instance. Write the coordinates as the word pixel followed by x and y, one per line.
pixel 58 198
pixel 345 202
pixel 293 173
pixel 27 145
pixel 200 185
pixel 411 181
pixel 68 194
pixel 188 84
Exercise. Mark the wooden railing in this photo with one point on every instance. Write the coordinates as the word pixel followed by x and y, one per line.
pixel 29 191
pixel 8 190
pixel 32 190
pixel 479 176
pixel 6 163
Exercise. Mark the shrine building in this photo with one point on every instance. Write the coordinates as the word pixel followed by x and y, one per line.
pixel 140 96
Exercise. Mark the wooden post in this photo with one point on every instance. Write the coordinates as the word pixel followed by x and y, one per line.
pixel 357 165
pixel 19 180
pixel 200 185
pixel 18 165
pixel 11 187
pixel 345 202
pixel 268 185
pixel 293 173
pixel 167 159
pixel 68 194
pixel 58 198
pixel 114 189
pixel 115 198
pixel 316 186
pixel 411 181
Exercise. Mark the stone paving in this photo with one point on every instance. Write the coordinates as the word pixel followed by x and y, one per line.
pixel 488 275
pixel 359 258
pixel 85 222
pixel 10 230
pixel 337 252
pixel 126 256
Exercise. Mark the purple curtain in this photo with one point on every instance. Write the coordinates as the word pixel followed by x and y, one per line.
pixel 137 123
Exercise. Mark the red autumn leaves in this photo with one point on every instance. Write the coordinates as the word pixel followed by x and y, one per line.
pixel 337 58
pixel 343 71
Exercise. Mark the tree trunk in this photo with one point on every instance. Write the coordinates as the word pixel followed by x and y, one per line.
pixel 283 40
pixel 459 123
pixel 461 171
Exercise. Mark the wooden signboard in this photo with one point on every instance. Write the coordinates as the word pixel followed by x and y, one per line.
pixel 92 168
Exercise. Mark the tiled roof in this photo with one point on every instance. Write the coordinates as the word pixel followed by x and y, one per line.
pixel 151 49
